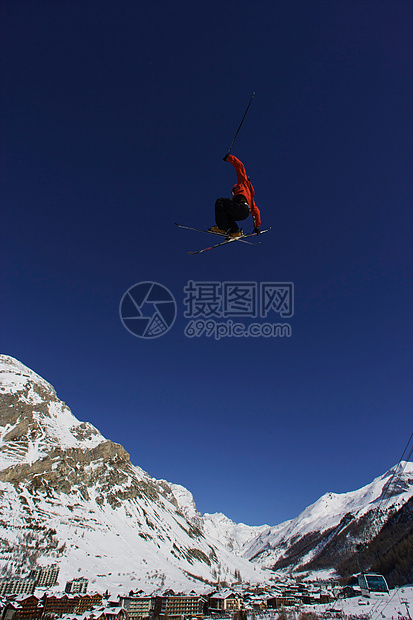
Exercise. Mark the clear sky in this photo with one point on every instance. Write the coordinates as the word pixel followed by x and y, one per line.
pixel 115 117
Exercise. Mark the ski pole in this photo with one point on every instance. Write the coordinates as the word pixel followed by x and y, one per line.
pixel 240 125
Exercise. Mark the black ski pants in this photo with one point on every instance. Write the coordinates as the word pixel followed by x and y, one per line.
pixel 228 212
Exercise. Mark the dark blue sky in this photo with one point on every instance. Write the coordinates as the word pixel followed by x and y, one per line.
pixel 115 116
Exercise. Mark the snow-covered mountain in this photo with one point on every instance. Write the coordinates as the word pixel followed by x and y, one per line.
pixel 324 534
pixel 331 529
pixel 70 496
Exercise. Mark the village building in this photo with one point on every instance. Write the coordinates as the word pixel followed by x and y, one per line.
pixel 103 613
pixel 137 606
pixel 300 594
pixel 78 585
pixel 23 607
pixel 16 585
pixel 45 576
pixel 280 600
pixel 87 602
pixel 225 601
pixel 255 602
pixel 113 613
pixel 179 606
pixel 57 605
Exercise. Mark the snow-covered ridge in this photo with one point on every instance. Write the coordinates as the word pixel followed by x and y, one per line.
pixel 185 500
pixel 329 510
pixel 265 544
pixel 41 420
pixel 217 526
pixel 15 376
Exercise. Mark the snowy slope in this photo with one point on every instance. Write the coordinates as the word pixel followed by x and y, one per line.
pixel 235 536
pixel 397 603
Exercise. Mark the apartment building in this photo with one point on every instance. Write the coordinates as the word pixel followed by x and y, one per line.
pixel 45 576
pixel 138 607
pixel 86 602
pixel 23 607
pixel 59 604
pixel 62 604
pixel 77 586
pixel 179 606
pixel 16 586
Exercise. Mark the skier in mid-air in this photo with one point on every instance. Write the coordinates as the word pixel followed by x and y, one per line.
pixel 229 211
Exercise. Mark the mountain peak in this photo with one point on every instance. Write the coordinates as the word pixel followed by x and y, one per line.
pixel 34 420
pixel 16 377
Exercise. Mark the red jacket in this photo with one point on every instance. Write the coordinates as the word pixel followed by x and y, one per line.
pixel 245 188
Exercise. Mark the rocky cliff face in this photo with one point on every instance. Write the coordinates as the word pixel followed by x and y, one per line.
pixel 33 420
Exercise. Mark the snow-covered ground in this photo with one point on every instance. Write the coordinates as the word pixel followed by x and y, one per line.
pixel 397 605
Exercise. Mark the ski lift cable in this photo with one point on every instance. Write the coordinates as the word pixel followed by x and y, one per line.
pixel 373 610
pixel 399 473
pixel 385 496
pixel 396 474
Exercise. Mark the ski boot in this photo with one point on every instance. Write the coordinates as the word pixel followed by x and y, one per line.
pixel 234 235
pixel 215 229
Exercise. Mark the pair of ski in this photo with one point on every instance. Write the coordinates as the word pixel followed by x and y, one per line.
pixel 243 238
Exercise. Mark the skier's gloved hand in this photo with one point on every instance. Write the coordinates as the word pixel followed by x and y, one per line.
pixel 257 230
pixel 226 157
